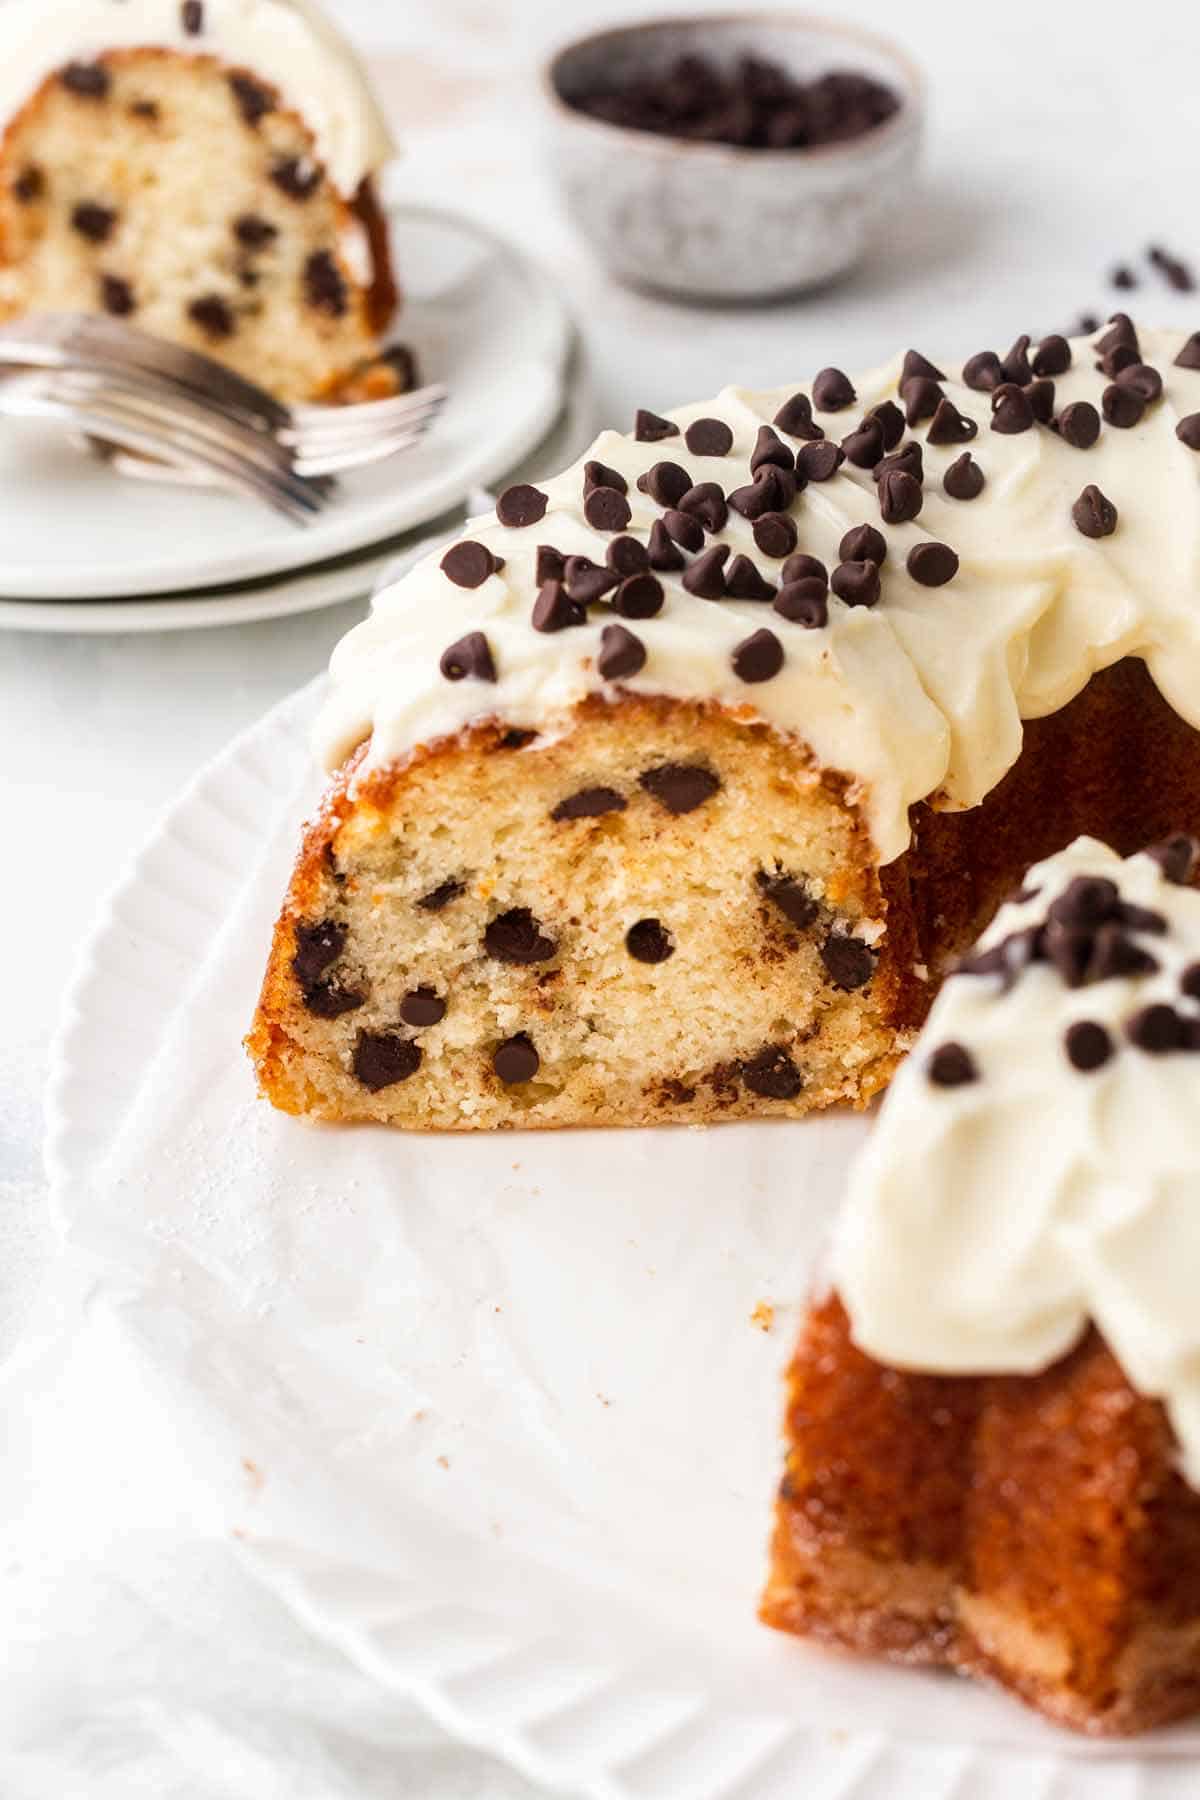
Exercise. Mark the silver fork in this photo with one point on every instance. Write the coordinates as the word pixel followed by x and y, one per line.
pixel 137 397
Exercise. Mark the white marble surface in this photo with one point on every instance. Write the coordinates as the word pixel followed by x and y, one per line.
pixel 1062 139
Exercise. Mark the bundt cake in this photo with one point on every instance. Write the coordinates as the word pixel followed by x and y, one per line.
pixel 668 791
pixel 202 168
pixel 994 1414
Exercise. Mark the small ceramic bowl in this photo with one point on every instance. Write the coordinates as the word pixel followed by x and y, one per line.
pixel 713 221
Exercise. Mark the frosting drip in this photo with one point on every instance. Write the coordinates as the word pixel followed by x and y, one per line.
pixel 987 1222
pixel 289 43
pixel 923 694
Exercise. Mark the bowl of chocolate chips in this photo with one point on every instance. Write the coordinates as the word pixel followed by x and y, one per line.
pixel 739 157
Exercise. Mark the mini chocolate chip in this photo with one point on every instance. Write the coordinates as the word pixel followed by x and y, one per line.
pixel 708 437
pixel 144 109
pixel 1123 277
pixel 382 1058
pixel 318 946
pixel 253 232
pixel 1040 395
pixel 468 564
pixel 192 16
pixel 909 461
pixel 1188 431
pixel 297 177
pixel 770 449
pixel 804 602
pixel 665 482
pixel 1177 857
pixel 549 565
pixel 30 184
pixel 330 1000
pixel 915 364
pixel 621 654
pixel 794 902
pixel 680 787
pixel 857 583
pixel 706 576
pixel 516 1060
pixel 921 399
pixel 819 461
pixel 952 1065
pixel 1088 1045
pixel 1011 411
pixel 706 502
pixel 1087 900
pixel 949 426
pixel 665 557
pixel 1157 1028
pixel 1142 918
pixel 627 556
pixel 931 564
pixel 1078 425
pixel 1094 515
pixel 213 314
pixel 440 897
pixel 1143 381
pixel 758 657
pixel 521 505
pixel 890 420
pixel 864 447
pixel 964 479
pixel 745 581
pixel 1121 335
pixel 795 417
pixel 93 221
pixel 606 509
pixel 848 962
pixel 801 566
pixel 832 391
pixel 325 286
pixel 649 428
pixel 649 941
pixel 589 803
pixel 638 597
pixel 587 581
pixel 471 655
pixel 1016 364
pixel 1120 357
pixel 775 534
pixel 862 543
pixel 1120 407
pixel 422 1007
pixel 771 491
pixel 900 497
pixel 684 529
pixel 117 297
pixel 1052 356
pixel 1189 981
pixel 599 475
pixel 90 81
pixel 1189 356
pixel 983 372
pixel 772 1074
pixel 517 938
pixel 554 610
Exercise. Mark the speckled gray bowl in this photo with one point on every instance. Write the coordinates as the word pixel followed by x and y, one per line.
pixel 710 221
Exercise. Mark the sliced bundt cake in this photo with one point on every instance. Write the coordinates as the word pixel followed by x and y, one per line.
pixel 203 169
pixel 667 792
pixel 994 1415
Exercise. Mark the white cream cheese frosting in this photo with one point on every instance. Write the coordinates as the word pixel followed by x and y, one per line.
pixel 989 1220
pixel 290 43
pixel 921 695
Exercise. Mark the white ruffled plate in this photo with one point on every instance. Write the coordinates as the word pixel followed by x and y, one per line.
pixel 497 1414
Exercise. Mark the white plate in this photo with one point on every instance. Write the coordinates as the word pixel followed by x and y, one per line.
pixel 491 1412
pixel 481 317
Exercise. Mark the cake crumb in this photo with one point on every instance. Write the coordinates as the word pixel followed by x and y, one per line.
pixel 763 1315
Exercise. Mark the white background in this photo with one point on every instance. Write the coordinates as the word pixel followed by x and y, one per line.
pixel 1063 138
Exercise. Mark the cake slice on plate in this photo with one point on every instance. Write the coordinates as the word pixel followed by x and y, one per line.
pixel 204 169
pixel 994 1413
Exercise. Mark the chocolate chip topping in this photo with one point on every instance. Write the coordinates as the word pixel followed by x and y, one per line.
pixel 649 428
pixel 587 581
pixel 805 602
pixel 1122 356
pixel 621 654
pixel 708 437
pixel 745 581
pixel 857 583
pixel 1157 1029
pixel 706 502
pixel 1121 408
pixel 1122 334
pixel 921 399
pixel 684 529
pixel 863 543
pixel 1053 356
pixel 516 937
pixel 549 565
pixel 819 461
pixel 90 81
pixel 793 901
pixel 521 505
pixel 440 897
pixel 606 509
pixel 93 221
pixel 117 297
pixel 931 564
pixel 772 490
pixel 951 1065
pixel 1188 358
pixel 949 426
pixel 649 941
pixel 909 461
pixel 191 15
pixel 1088 1045
pixel 801 566
pixel 1011 410
pixel 900 497
pixel 680 787
pixel 864 447
pixel 1078 425
pixel 1142 380
pixel 772 1074
pixel 983 372
pixel 468 564
pixel 638 597
pixel 706 576
pixel 554 610
pixel 1178 857
pixel 589 803
pixel 627 556
pixel 1040 395
pixel 758 657
pixel 795 417
pixel 470 656
pixel 770 451
pixel 1094 515
pixel 964 479
pixel 890 420
pixel 214 315
pixel 848 962
pixel 423 1007
pixel 516 1060
pixel 775 534
pixel 1189 981
pixel 383 1058
pixel 664 555
pixel 833 391
pixel 917 365
pixel 665 482
pixel 253 232
pixel 254 101
pixel 1016 365
pixel 318 946
pixel 598 474
pixel 1188 431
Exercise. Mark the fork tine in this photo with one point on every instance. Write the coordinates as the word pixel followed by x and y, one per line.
pixel 335 462
pixel 88 384
pixel 312 424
